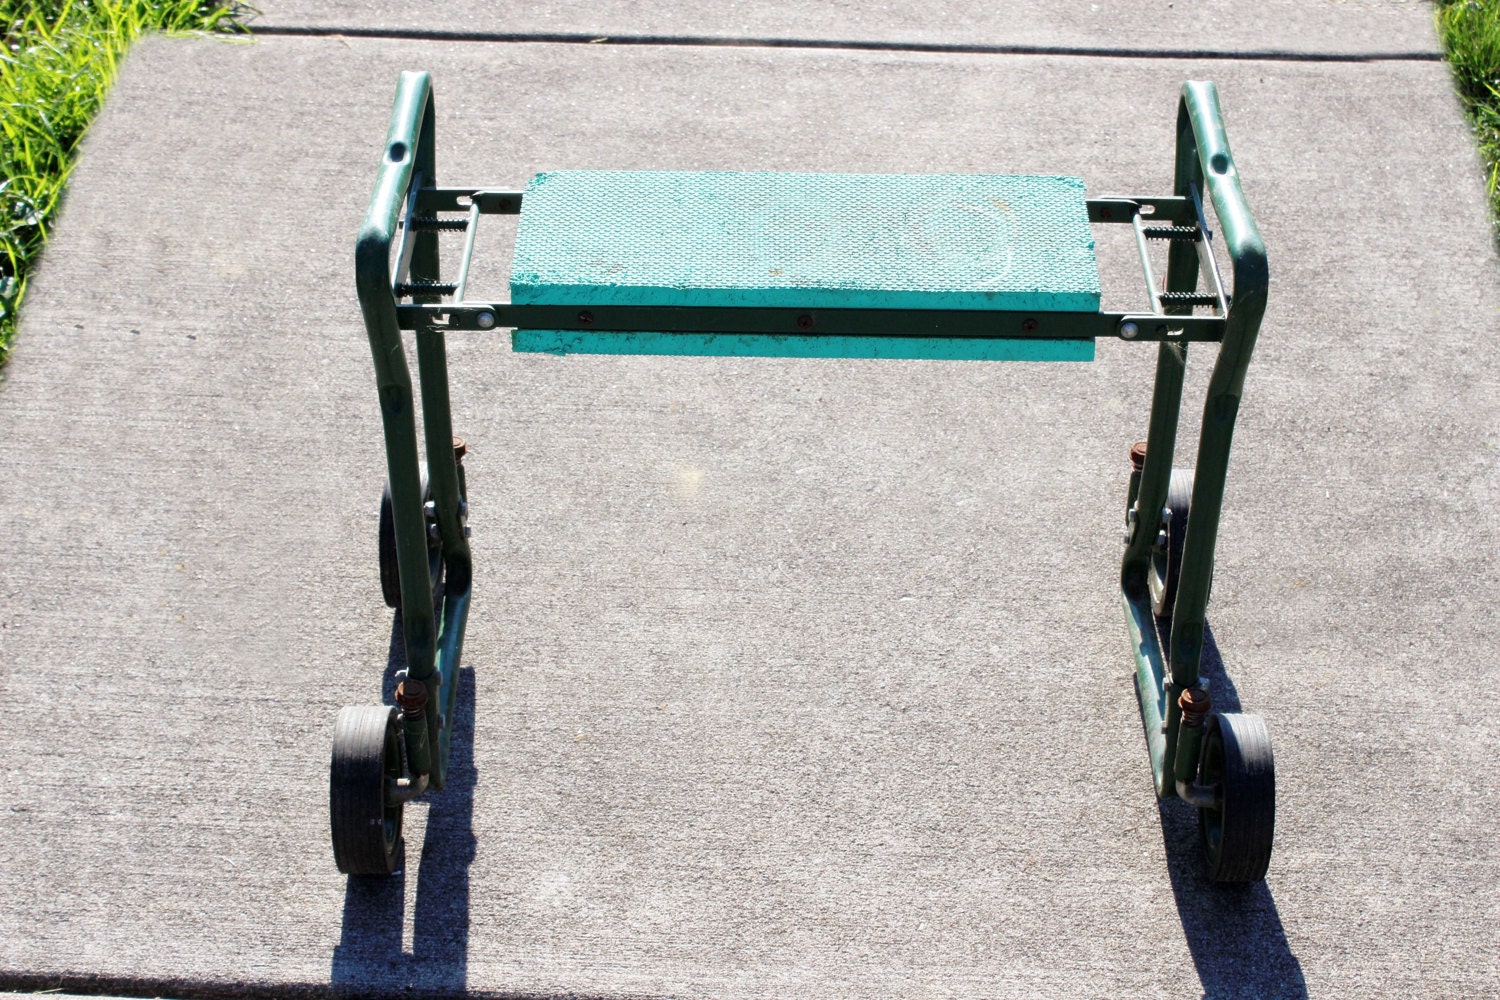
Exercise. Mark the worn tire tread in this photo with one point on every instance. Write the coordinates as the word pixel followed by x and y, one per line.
pixel 1249 816
pixel 1179 500
pixel 356 791
pixel 390 572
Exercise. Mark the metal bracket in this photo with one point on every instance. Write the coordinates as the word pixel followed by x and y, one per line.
pixel 1208 264
pixel 460 199
pixel 1201 796
pixel 399 790
pixel 405 247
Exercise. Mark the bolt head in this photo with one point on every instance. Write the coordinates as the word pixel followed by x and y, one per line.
pixel 485 320
pixel 468 531
pixel 1129 331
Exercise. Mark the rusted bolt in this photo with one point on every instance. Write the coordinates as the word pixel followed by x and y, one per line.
pixel 1138 456
pixel 1106 212
pixel 504 204
pixel 460 448
pixel 804 322
pixel 411 695
pixel 1028 326
pixel 1195 705
pixel 585 317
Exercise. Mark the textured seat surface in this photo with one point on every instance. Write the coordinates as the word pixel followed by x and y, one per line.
pixel 852 241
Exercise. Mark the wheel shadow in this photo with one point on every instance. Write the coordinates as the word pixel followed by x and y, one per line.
pixel 1234 932
pixel 370 958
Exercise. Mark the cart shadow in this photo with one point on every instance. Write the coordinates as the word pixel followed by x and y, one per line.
pixel 369 958
pixel 1234 933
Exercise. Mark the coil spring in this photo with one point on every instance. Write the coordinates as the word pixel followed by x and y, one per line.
pixel 411 695
pixel 1195 705
pixel 1187 299
pixel 1191 234
pixel 406 288
pixel 432 224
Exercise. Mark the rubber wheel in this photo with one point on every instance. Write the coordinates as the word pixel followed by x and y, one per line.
pixel 1166 561
pixel 390 572
pixel 1237 835
pixel 366 751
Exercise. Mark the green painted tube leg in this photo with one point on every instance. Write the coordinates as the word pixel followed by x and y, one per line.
pixel 408 145
pixel 1151 492
pixel 445 482
pixel 1182 276
pixel 1193 706
pixel 441 676
pixel 1203 163
pixel 1151 496
pixel 1200 122
pixel 1149 488
pixel 444 474
pixel 1199 117
pixel 447 495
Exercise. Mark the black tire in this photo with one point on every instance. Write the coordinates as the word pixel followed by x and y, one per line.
pixel 1237 835
pixel 1166 561
pixel 366 752
pixel 390 572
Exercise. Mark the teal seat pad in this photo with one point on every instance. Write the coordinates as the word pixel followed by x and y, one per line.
pixel 805 241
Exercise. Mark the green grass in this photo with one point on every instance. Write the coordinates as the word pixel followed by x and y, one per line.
pixel 1471 35
pixel 57 62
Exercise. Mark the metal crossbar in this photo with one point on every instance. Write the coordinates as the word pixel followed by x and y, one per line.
pixel 462 314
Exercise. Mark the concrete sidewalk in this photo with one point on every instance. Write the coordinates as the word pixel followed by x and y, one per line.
pixel 1305 27
pixel 786 678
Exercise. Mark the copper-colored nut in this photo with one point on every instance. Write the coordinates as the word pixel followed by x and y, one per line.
pixel 411 695
pixel 460 448
pixel 1195 705
pixel 1138 455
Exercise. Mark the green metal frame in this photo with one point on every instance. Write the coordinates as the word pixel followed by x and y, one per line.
pixel 1203 159
pixel 433 631
pixel 400 289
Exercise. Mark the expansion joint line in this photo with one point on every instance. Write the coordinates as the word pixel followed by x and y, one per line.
pixel 844 45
